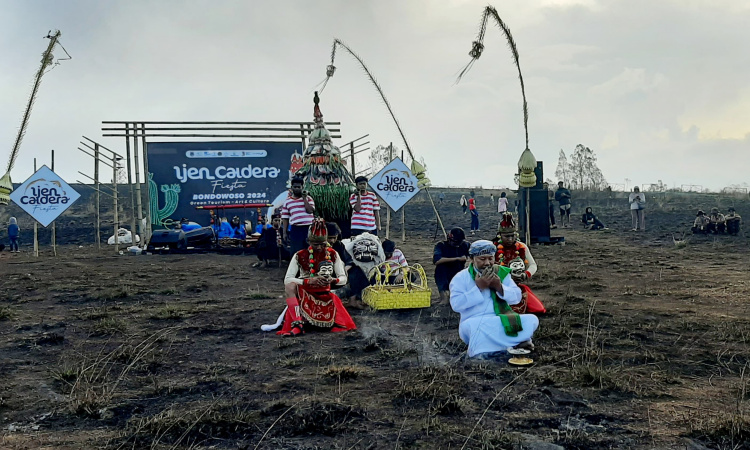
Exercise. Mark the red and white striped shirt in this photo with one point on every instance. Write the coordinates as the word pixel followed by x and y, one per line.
pixel 294 210
pixel 365 218
pixel 396 262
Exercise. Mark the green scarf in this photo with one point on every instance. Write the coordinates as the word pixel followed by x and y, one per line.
pixel 511 320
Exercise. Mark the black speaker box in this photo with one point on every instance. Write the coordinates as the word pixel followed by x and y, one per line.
pixel 172 239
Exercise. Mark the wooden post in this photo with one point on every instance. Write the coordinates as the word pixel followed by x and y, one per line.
pixel 133 230
pixel 138 196
pixel 388 210
pixel 36 227
pixel 403 214
pixel 98 196
pixel 351 149
pixel 528 217
pixel 54 238
pixel 146 178
pixel 117 216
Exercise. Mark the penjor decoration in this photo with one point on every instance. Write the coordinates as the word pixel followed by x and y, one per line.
pixel 527 162
pixel 417 169
pixel 6 184
pixel 327 180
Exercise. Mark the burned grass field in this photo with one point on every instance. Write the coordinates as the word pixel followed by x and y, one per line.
pixel 645 346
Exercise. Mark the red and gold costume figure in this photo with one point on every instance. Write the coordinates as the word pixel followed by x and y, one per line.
pixel 311 273
pixel 517 257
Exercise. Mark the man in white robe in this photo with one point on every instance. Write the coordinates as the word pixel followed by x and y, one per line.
pixel 482 298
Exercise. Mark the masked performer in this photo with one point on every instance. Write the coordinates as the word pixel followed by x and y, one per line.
pixel 310 302
pixel 366 253
pixel 483 294
pixel 516 255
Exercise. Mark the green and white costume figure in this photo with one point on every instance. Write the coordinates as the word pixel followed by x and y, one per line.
pixel 488 325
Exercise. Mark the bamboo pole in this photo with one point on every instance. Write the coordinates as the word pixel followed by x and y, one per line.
pixel 138 195
pixel 117 216
pixel 133 230
pixel 403 214
pixel 145 177
pixel 36 228
pixel 388 210
pixel 54 228
pixel 98 197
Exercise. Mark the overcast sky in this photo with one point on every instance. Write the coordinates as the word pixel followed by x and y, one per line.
pixel 660 90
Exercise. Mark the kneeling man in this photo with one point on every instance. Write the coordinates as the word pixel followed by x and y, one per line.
pixel 482 294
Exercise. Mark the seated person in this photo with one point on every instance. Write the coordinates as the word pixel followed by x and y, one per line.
pixel 483 294
pixel 590 221
pixel 517 256
pixel 717 222
pixel 270 246
pixel 449 258
pixel 310 301
pixel 396 260
pixel 186 225
pixel 366 254
pixel 262 225
pixel 733 221
pixel 334 239
pixel 238 229
pixel 700 226
pixel 223 229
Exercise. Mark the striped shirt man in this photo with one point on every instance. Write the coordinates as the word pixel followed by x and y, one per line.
pixel 396 262
pixel 364 220
pixel 293 210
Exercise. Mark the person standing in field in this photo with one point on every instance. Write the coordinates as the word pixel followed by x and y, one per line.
pixel 562 196
pixel 550 205
pixel 637 205
pixel 366 216
pixel 502 203
pixel 297 212
pixel 474 215
pixel 13 232
pixel 464 203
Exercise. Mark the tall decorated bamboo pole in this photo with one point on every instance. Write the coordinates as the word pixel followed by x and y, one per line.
pixel 527 162
pixel 331 69
pixel 327 179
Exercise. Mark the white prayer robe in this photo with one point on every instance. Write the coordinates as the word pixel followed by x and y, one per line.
pixel 480 328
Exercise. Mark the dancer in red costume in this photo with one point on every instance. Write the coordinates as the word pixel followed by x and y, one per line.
pixel 516 255
pixel 310 302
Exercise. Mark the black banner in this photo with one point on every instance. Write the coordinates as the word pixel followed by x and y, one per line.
pixel 184 175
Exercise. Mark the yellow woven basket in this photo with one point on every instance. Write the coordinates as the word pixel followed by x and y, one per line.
pixel 412 292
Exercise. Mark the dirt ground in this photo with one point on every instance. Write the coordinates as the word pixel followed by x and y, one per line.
pixel 645 346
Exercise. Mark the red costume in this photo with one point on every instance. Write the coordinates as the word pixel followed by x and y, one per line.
pixel 315 305
pixel 515 255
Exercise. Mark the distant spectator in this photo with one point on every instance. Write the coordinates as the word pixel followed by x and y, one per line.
pixel 502 203
pixel 637 205
pixel 550 205
pixel 13 232
pixel 733 222
pixel 717 222
pixel 562 196
pixel 474 215
pixel 441 197
pixel 590 221
pixel 700 226
pixel 492 199
pixel 464 203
